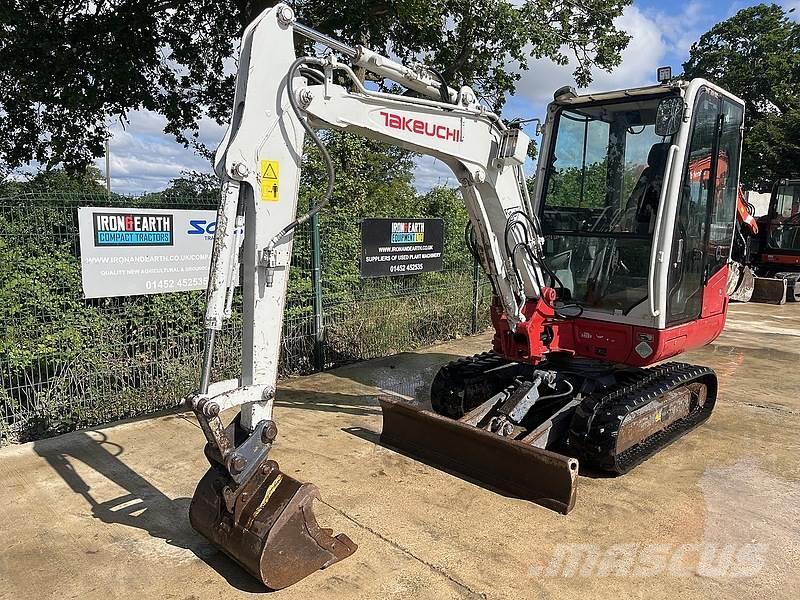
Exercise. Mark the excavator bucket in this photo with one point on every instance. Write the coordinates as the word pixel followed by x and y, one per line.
pixel 507 465
pixel 741 283
pixel 271 531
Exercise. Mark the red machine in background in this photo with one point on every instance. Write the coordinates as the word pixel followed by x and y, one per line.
pixel 767 250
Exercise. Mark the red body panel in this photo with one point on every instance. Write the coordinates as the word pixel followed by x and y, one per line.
pixel 715 300
pixel 543 332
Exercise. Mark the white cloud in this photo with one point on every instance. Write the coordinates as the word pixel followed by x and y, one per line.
pixel 145 159
pixel 681 30
pixel 792 5
pixel 640 59
pixel 430 173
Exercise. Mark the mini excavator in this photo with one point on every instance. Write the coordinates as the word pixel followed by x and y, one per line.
pixel 618 261
pixel 766 251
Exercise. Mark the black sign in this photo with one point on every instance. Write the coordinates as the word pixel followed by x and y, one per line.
pixel 401 246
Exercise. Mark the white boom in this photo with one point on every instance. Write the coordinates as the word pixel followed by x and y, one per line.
pixel 278 100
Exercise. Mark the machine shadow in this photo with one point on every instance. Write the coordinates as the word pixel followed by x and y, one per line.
pixel 143 506
pixel 361 406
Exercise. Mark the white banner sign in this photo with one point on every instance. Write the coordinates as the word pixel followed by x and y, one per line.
pixel 131 251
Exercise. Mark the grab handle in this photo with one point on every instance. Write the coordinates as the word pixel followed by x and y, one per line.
pixel 657 256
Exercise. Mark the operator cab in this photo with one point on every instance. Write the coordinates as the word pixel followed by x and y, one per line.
pixel 603 174
pixel 783 231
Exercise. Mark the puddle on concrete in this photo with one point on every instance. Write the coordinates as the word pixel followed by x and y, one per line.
pixel 405 377
pixel 410 386
pixel 719 351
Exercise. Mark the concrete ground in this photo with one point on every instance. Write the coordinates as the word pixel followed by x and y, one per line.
pixel 103 513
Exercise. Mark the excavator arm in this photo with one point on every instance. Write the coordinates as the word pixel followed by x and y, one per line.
pixel 259 163
pixel 258 515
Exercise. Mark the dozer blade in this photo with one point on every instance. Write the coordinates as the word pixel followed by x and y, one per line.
pixel 272 531
pixel 769 290
pixel 510 466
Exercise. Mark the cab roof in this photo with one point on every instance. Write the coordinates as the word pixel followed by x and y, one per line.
pixel 567 99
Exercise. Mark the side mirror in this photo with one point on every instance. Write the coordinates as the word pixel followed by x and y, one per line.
pixel 669 116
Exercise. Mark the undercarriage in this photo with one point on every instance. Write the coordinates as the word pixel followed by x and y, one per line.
pixel 521 426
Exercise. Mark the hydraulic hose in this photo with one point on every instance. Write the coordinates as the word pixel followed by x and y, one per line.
pixel 331 171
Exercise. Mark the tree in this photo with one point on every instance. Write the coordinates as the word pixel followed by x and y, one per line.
pixel 576 187
pixel 194 185
pixel 68 67
pixel 756 55
pixel 56 181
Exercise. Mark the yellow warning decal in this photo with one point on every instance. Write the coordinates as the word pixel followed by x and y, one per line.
pixel 270 180
pixel 267 495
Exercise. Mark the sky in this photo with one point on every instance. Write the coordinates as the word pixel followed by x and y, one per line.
pixel 144 159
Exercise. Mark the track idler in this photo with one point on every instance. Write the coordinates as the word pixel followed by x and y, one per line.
pixel 265 522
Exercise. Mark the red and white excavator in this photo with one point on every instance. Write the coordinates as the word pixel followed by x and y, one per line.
pixel 619 261
pixel 766 253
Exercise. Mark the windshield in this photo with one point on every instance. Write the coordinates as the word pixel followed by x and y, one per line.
pixel 600 201
pixel 785 230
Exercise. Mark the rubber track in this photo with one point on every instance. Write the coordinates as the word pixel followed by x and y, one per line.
pixel 451 381
pixel 596 422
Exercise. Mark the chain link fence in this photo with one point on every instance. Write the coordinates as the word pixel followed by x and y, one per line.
pixel 67 362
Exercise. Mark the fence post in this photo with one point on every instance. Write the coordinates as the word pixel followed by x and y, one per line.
pixel 475 293
pixel 316 284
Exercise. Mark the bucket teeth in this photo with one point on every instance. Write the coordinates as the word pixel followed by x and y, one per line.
pixel 272 531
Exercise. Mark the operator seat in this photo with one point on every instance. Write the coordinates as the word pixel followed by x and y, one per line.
pixel 647 191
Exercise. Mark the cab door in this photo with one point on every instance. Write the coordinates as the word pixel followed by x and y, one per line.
pixel 706 214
